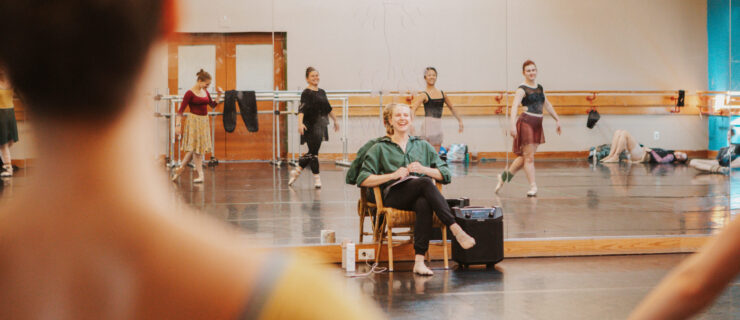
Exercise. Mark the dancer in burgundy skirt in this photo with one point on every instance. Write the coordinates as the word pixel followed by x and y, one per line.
pixel 527 130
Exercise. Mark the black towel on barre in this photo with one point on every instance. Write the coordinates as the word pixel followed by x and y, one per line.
pixel 248 107
pixel 230 111
pixel 247 101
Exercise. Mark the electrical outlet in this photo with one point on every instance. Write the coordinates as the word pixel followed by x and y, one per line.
pixel 656 135
pixel 366 254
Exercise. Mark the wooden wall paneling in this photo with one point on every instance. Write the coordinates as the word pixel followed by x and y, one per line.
pixel 527 248
pixel 225 81
pixel 241 144
pixel 172 65
pixel 280 49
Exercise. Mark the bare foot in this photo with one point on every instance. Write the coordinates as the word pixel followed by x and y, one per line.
pixel 465 240
pixel 421 269
pixel 609 160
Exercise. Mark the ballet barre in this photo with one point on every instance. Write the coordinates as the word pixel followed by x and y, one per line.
pixel 366 103
pixel 276 97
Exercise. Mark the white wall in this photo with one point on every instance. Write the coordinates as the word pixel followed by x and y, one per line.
pixel 480 45
pixel 385 44
pixel 477 45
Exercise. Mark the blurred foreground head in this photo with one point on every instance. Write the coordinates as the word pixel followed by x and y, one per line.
pixel 78 59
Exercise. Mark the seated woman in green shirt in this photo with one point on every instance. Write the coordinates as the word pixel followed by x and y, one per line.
pixel 404 166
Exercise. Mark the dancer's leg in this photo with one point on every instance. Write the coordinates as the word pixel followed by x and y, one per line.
pixel 198 159
pixel 619 145
pixel 529 151
pixel 516 165
pixel 7 161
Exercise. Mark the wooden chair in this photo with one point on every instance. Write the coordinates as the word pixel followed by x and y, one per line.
pixel 366 209
pixel 396 218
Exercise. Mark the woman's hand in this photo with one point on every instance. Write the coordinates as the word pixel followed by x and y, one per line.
pixel 461 127
pixel 301 128
pixel 336 126
pixel 416 167
pixel 512 131
pixel 219 90
pixel 401 173
pixel 557 128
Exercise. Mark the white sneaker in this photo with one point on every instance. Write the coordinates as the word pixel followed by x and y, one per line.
pixel 532 191
pixel 317 182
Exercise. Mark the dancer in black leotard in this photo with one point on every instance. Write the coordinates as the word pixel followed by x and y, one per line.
pixel 432 127
pixel 312 121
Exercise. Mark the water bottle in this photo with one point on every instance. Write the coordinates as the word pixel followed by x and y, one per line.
pixel 350 257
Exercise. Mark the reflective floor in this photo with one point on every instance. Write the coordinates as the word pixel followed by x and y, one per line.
pixel 606 287
pixel 575 200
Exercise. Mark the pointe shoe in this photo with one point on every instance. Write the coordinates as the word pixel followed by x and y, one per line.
pixel 532 191
pixel 500 183
pixel 178 171
pixel 294 176
pixel 8 171
pixel 317 182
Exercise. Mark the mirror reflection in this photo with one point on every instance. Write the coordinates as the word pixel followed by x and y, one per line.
pixel 562 127
pixel 624 128
pixel 393 135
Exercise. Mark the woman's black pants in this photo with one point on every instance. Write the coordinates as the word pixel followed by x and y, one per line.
pixel 312 157
pixel 422 196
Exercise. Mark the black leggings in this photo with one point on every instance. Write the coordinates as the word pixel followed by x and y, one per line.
pixel 312 157
pixel 422 196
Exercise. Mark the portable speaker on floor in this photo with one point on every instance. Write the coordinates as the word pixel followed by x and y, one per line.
pixel 486 226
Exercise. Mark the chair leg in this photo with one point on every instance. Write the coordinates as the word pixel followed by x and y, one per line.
pixel 444 243
pixel 390 248
pixel 377 227
pixel 362 226
pixel 380 245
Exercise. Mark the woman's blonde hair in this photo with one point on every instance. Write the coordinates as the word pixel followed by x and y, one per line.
pixel 388 114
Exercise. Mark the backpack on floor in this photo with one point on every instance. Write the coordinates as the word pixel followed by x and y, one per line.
pixel 600 152
pixel 457 153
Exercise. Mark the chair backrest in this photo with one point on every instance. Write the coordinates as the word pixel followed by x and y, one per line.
pixel 378 198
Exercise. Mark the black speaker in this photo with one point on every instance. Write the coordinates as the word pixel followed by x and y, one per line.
pixel 681 98
pixel 486 225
